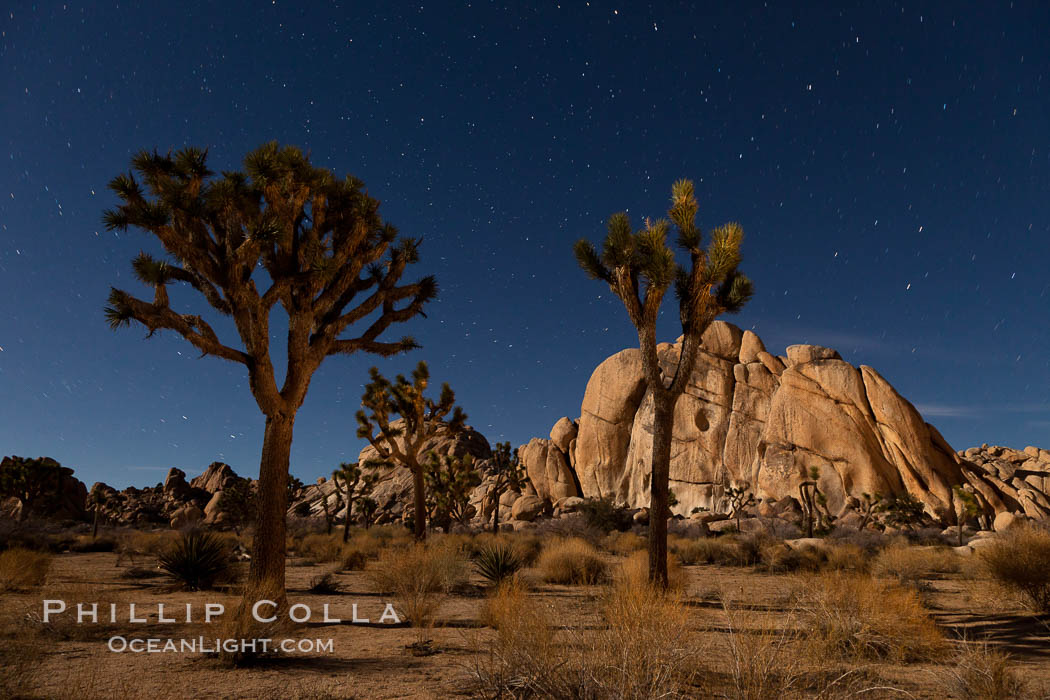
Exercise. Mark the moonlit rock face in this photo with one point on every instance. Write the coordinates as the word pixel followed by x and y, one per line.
pixel 748 416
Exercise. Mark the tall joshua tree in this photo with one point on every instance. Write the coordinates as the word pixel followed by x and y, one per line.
pixel 352 482
pixel 640 267
pixel 331 263
pixel 401 441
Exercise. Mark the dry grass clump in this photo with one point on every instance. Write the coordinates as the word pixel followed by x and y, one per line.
pixel 706 550
pixel 633 572
pixel 623 543
pixel 106 604
pixel 20 654
pixel 325 583
pixel 1020 561
pixel 138 543
pixel 645 648
pixel 23 569
pixel 320 548
pixel 238 622
pixel 982 673
pixel 761 663
pixel 853 616
pixel 419 577
pixel 571 561
pixel 910 564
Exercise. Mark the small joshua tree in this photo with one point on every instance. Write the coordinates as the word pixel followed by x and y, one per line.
pixel 740 497
pixel 98 499
pixel 867 506
pixel 507 472
pixel 283 233
pixel 449 482
pixel 966 507
pixel 814 504
pixel 402 442
pixel 640 268
pixel 351 483
pixel 238 504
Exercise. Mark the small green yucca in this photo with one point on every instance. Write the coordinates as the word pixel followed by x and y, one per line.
pixel 197 560
pixel 496 563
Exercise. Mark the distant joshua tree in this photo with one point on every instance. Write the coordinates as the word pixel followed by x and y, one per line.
pixel 449 482
pixel 421 419
pixel 640 267
pixel 332 262
pixel 352 482
pixel 30 481
pixel 507 472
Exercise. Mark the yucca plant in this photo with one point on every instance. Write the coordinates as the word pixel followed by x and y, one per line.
pixel 495 563
pixel 197 560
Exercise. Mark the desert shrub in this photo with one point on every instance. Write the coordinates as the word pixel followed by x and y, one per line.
pixel 496 562
pixel 418 578
pixel 644 649
pixel 706 550
pixel 854 616
pixel 30 533
pixel 780 558
pixel 23 569
pixel 320 548
pixel 1020 561
pixel 605 515
pixel 633 572
pixel 910 564
pixel 623 543
pixel 197 561
pixel 324 583
pixel 136 573
pixel 354 558
pixel 846 556
pixel 571 561
pixel 980 672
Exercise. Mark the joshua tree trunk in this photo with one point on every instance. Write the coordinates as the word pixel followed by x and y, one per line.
pixel 495 514
pixel 663 416
pixel 420 516
pixel 346 523
pixel 268 548
pixel 94 528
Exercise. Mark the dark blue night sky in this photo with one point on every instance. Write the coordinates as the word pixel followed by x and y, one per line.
pixel 890 165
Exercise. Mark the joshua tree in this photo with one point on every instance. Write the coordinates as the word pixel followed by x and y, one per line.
pixel 98 499
pixel 30 480
pixel 449 481
pixel 332 262
pixel 740 497
pixel 355 483
pixel 402 442
pixel 366 508
pixel 507 472
pixel 238 503
pixel 640 267
pixel 966 506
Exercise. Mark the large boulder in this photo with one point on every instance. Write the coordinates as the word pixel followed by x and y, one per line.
pixel 214 477
pixel 612 397
pixel 548 470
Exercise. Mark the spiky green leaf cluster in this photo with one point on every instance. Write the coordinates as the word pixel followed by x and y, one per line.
pixel 640 266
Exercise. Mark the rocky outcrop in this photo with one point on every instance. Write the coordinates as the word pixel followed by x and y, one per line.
pixel 772 422
pixel 393 492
